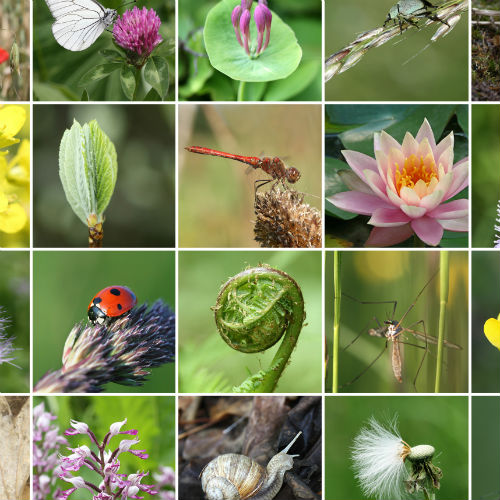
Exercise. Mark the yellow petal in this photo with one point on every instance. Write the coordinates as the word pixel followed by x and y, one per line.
pixel 492 331
pixel 13 219
pixel 12 119
pixel 4 202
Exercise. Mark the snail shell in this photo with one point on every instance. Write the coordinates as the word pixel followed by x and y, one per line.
pixel 238 477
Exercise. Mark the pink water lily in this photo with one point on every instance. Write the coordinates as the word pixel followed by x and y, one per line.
pixel 404 189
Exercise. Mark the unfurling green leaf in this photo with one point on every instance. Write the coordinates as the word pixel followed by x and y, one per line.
pixel 88 169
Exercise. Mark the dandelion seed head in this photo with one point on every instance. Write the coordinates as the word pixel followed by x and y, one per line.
pixel 377 455
pixel 421 452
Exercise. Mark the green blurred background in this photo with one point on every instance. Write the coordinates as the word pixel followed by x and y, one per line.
pixel 386 73
pixel 436 420
pixel 57 71
pixel 223 215
pixel 64 284
pixel 485 457
pixel 142 209
pixel 207 363
pixel 152 416
pixel 397 276
pixel 485 305
pixel 15 304
pixel 485 172
pixel 198 80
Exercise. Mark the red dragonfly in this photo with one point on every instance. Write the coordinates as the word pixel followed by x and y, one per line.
pixel 271 166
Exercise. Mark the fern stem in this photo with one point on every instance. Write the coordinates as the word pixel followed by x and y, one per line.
pixel 254 310
pixel 336 320
pixel 444 271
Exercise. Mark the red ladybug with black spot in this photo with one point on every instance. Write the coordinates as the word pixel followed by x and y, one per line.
pixel 111 303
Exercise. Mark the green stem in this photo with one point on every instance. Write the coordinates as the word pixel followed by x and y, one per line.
pixel 336 320
pixel 256 307
pixel 444 271
pixel 241 91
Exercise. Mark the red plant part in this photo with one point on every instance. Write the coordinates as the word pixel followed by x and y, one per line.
pixel 4 56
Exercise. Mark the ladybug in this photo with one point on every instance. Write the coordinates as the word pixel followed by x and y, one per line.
pixel 111 303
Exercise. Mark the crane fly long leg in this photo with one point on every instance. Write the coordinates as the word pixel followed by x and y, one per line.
pixel 432 340
pixel 366 369
pixel 416 298
pixel 367 302
pixel 361 332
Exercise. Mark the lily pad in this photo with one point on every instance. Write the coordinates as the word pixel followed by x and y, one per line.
pixel 279 59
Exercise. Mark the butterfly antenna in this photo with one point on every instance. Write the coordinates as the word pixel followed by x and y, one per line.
pixel 416 298
pixel 128 3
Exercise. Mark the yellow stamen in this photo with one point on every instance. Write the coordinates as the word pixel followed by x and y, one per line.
pixel 414 169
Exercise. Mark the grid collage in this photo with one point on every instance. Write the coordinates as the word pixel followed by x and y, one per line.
pixel 326 326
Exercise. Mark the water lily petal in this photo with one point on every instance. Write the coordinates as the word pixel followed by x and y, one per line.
pixel 376 184
pixel 353 182
pixel 388 236
pixel 413 211
pixel 446 159
pixel 394 197
pixel 409 195
pixel 455 209
pixel 386 142
pixel 388 217
pixel 431 201
pixel 358 203
pixel 425 132
pixel 410 145
pixel 428 230
pixel 460 225
pixel 447 142
pixel 359 162
pixel 425 151
pixel 460 178
pixel 492 331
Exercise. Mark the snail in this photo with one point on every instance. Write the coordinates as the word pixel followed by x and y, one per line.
pixel 238 477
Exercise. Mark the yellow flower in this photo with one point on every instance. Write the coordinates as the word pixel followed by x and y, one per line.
pixel 492 331
pixel 12 119
pixel 14 173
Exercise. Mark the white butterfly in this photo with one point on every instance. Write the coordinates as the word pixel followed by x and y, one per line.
pixel 79 22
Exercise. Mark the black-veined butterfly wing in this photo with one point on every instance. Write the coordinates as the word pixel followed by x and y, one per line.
pixel 78 23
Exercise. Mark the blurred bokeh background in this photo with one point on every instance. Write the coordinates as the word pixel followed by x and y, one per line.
pixel 207 363
pixel 18 180
pixel 152 416
pixel 485 305
pixel 64 284
pixel 408 68
pixel 439 421
pixel 400 276
pixel 216 195
pixel 57 71
pixel 485 457
pixel 485 173
pixel 199 81
pixel 15 305
pixel 142 209
pixel 15 39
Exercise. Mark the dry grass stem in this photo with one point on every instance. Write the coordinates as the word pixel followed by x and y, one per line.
pixel 449 12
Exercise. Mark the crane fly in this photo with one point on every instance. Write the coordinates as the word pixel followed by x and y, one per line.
pixel 271 166
pixel 391 330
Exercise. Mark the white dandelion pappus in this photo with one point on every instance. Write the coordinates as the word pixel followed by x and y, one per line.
pixel 378 461
pixel 79 23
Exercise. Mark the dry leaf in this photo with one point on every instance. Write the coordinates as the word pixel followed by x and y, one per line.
pixel 15 455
